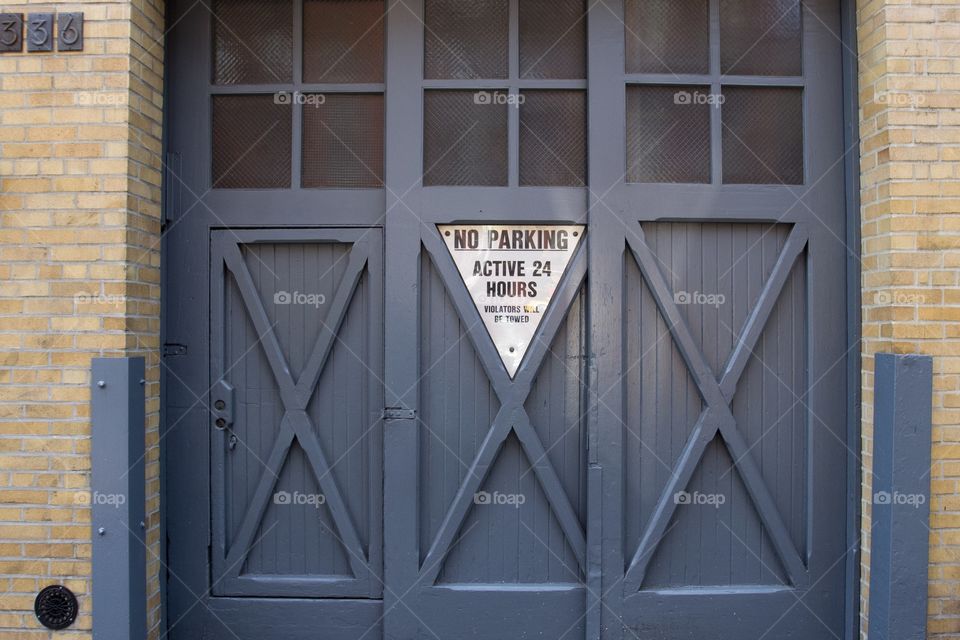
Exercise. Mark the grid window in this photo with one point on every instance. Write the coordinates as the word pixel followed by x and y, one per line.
pixel 667 36
pixel 553 39
pixel 343 141
pixel 737 117
pixel 343 41
pixel 528 128
pixel 280 125
pixel 465 139
pixel 760 37
pixel 466 40
pixel 762 135
pixel 251 142
pixel 252 41
pixel 668 134
pixel 553 138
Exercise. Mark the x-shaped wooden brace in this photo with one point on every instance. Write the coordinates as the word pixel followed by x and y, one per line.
pixel 717 416
pixel 512 415
pixel 295 397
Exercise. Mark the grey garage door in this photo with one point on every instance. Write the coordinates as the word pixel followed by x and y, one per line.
pixel 352 450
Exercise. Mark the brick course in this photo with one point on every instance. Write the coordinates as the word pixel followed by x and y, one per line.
pixel 79 271
pixel 910 165
pixel 80 171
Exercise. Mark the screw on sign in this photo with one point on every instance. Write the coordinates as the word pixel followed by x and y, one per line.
pixel 56 607
pixel 40 32
pixel 69 31
pixel 11 32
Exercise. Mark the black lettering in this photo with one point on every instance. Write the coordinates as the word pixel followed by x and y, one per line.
pixel 466 239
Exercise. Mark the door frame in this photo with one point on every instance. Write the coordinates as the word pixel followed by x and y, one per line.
pixel 851 163
pixel 610 78
pixel 402 321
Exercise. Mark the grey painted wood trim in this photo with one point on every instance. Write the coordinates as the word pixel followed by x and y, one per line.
pixel 717 417
pixel 479 338
pixel 512 415
pixel 757 320
pixel 851 138
pixel 118 490
pixel 461 503
pixel 295 396
pixel 497 204
pixel 505 84
pixel 307 382
pixel 708 79
pixel 900 536
pixel 608 207
pixel 360 87
pixel 403 163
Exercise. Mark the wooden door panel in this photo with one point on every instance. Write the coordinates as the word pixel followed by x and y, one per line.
pixel 508 457
pixel 737 288
pixel 296 468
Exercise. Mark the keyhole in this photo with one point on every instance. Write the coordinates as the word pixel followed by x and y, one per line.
pixel 221 423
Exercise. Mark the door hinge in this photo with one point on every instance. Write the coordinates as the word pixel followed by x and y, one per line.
pixel 399 413
pixel 174 349
pixel 171 205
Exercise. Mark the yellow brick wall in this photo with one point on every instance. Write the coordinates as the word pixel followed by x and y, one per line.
pixel 79 278
pixel 910 169
pixel 79 271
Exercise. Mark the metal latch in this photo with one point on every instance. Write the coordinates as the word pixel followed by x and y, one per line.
pixel 399 413
pixel 221 404
pixel 173 349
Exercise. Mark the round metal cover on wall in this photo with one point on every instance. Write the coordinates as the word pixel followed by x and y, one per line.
pixel 56 607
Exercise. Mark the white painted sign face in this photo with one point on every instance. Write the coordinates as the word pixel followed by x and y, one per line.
pixel 511 272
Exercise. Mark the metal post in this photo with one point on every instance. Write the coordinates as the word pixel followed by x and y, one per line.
pixel 117 498
pixel 903 390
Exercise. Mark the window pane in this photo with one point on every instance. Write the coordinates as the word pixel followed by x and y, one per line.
pixel 760 37
pixel 253 41
pixel 465 139
pixel 343 41
pixel 552 39
pixel 343 141
pixel 667 36
pixel 553 138
pixel 762 135
pixel 466 39
pixel 251 142
pixel 668 134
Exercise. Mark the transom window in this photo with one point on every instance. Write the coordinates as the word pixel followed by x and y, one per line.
pixel 505 93
pixel 298 94
pixel 714 91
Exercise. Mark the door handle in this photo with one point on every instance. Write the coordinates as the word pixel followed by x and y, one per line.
pixel 221 404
